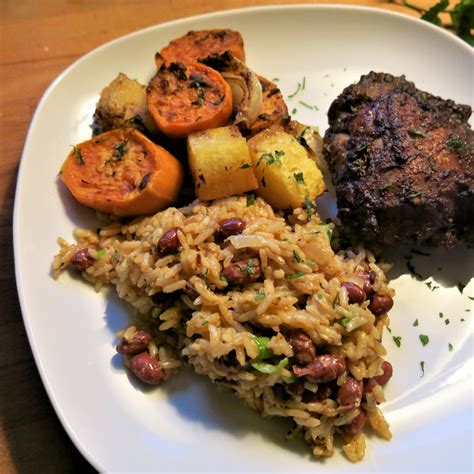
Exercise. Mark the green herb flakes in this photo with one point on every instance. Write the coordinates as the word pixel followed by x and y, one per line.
pixel 309 207
pixel 295 275
pixel 450 347
pixel 397 340
pixel 415 323
pixel 79 157
pixel 272 158
pixel 297 256
pixel 461 287
pixel 250 200
pixel 441 315
pixel 260 296
pixel 422 367
pixel 456 143
pixel 299 177
pixel 424 339
pixel 222 278
pixel 417 133
pixel 120 150
pixel 310 261
pixel 446 321
pixel 246 166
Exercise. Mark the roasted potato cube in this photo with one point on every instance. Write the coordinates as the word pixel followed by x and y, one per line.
pixel 220 163
pixel 287 176
pixel 123 103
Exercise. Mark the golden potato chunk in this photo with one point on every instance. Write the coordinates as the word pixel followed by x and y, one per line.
pixel 220 163
pixel 287 176
pixel 123 103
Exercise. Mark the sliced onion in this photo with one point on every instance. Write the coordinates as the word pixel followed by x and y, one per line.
pixel 246 88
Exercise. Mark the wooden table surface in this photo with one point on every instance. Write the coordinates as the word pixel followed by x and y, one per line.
pixel 38 40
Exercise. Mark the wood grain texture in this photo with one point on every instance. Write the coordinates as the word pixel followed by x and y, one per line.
pixel 39 39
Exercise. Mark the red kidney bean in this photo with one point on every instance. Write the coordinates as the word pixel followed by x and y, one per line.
pixel 349 394
pixel 169 241
pixel 323 368
pixel 356 425
pixel 232 226
pixel 354 292
pixel 303 347
pixel 82 259
pixel 387 373
pixel 369 280
pixel 147 368
pixel 381 304
pixel 243 271
pixel 139 342
pixel 382 379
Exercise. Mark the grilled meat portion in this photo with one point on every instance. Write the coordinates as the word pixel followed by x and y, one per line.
pixel 402 163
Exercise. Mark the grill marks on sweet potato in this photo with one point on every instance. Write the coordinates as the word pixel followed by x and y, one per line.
pixel 195 45
pixel 184 98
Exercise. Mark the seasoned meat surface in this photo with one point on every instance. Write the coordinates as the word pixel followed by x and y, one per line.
pixel 402 163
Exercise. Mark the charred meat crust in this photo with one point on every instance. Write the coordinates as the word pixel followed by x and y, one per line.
pixel 402 163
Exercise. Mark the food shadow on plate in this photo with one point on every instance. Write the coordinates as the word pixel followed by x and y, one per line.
pixel 195 398
pixel 447 268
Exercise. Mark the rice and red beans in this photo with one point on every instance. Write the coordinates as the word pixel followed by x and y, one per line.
pixel 258 302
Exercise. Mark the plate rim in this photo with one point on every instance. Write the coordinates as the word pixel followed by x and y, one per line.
pixel 84 58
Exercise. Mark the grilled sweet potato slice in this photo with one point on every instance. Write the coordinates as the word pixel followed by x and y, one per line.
pixel 184 98
pixel 195 45
pixel 122 172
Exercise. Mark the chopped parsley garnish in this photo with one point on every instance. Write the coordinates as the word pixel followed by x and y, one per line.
pixel 424 339
pixel 120 150
pixel 389 330
pixel 397 340
pixel 246 166
pixel 293 112
pixel 295 275
pixel 441 315
pixel 100 253
pixel 415 323
pixel 296 91
pixel 297 256
pixel 417 133
pixel 422 367
pixel 299 177
pixel 309 207
pixel 222 278
pixel 260 296
pixel 446 321
pixel 308 106
pixel 275 79
pixel 450 347
pixel 456 143
pixel 272 158
pixel 78 154
pixel 250 200
pixel 471 298
pixel 310 261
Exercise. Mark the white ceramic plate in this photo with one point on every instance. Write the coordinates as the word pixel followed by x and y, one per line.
pixel 187 425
